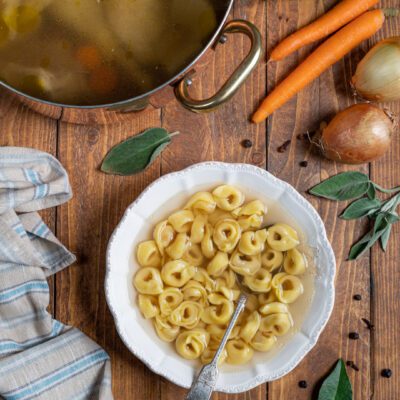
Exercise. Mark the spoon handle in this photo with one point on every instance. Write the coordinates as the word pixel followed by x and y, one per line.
pixel 204 384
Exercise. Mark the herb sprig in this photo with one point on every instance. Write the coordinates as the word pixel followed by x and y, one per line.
pixel 381 213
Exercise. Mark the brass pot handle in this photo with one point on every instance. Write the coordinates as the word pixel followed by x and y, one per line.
pixel 233 84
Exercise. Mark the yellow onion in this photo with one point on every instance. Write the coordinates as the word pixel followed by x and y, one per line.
pixel 358 134
pixel 377 77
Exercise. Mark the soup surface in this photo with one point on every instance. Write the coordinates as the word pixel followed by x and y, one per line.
pixel 90 52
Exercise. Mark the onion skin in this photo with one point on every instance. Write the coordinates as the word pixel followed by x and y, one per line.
pixel 357 135
pixel 377 77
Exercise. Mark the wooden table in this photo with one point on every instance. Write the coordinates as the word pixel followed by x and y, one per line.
pixel 85 223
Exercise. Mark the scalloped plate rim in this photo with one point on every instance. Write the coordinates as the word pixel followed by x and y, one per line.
pixel 323 241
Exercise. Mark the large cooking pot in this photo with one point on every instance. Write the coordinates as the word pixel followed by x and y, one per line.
pixel 177 86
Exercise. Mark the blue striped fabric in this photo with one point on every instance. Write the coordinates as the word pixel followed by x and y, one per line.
pixel 40 358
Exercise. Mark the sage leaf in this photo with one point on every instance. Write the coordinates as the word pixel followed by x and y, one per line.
pixel 136 153
pixel 371 192
pixel 345 186
pixel 337 385
pixel 380 226
pixel 385 237
pixel 391 204
pixel 361 208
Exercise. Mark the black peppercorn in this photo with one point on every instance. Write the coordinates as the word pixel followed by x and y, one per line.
pixel 303 164
pixel 357 297
pixel 354 335
pixel 247 143
pixel 303 384
pixel 386 373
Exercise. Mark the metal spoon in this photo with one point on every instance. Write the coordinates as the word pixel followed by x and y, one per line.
pixel 204 384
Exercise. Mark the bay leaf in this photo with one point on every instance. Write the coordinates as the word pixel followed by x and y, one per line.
pixel 136 153
pixel 345 186
pixel 337 385
pixel 361 208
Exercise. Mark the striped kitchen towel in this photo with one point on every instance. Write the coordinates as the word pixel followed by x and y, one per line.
pixel 40 358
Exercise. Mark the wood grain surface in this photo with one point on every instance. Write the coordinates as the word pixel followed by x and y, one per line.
pixel 86 222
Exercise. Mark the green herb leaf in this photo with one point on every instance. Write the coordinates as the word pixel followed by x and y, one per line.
pixel 380 226
pixel 391 204
pixel 385 237
pixel 361 208
pixel 344 186
pixel 137 153
pixel 371 192
pixel 337 385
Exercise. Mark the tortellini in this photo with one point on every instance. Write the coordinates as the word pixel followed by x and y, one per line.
pixel 198 228
pixel 245 265
pixel 148 281
pixel 239 352
pixel 195 291
pixel 226 234
pixel 179 246
pixel 181 221
pixel 163 235
pixel 191 272
pixel 260 282
pixel 250 327
pixel 263 341
pixel 193 255
pixel 148 305
pixel 220 310
pixel 287 287
pixel 191 344
pixel 207 245
pixel 271 259
pixel 148 254
pixel 178 272
pixel 165 330
pixel 295 263
pixel 186 315
pixel 282 237
pixel 218 264
pixel 228 197
pixel 169 299
pixel 202 202
pixel 253 243
pixel 277 324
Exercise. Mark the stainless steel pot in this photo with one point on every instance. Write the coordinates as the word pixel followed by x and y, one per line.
pixel 177 87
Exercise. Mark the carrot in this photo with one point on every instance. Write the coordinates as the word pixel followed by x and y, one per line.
pixel 332 50
pixel 89 57
pixel 343 13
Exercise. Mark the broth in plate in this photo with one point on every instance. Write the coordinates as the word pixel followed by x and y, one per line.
pixel 91 52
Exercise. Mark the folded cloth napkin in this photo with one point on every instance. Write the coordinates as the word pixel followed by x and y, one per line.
pixel 40 358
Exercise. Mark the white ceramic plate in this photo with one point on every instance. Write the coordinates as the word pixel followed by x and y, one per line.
pixel 167 194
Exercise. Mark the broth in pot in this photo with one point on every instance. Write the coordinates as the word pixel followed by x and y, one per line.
pixel 91 52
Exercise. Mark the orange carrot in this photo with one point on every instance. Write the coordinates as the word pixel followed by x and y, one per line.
pixel 332 50
pixel 88 56
pixel 343 13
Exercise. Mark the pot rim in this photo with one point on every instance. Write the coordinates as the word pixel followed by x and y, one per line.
pixel 137 98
